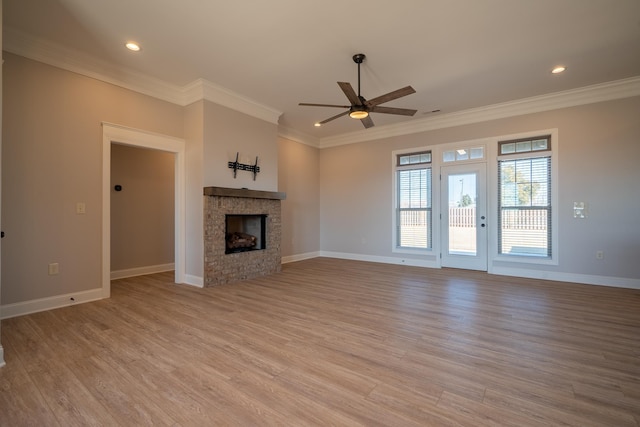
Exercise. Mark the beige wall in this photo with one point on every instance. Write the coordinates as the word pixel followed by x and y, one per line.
pixel 227 132
pixel 597 153
pixel 52 159
pixel 338 199
pixel 298 176
pixel 142 213
pixel 194 135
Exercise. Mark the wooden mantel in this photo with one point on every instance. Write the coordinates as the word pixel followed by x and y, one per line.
pixel 243 192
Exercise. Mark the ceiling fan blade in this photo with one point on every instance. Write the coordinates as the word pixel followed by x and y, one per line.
pixel 306 104
pixel 392 110
pixel 408 90
pixel 334 117
pixel 367 122
pixel 351 94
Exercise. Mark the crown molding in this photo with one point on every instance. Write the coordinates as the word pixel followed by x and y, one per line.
pixel 19 43
pixel 204 89
pixel 618 89
pixel 44 51
pixel 297 136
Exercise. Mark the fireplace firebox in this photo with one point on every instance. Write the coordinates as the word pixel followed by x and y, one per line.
pixel 245 233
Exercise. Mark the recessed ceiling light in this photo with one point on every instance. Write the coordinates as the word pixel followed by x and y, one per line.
pixel 559 69
pixel 133 46
pixel 317 125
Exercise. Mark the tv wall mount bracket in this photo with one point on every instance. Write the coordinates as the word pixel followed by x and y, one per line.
pixel 236 166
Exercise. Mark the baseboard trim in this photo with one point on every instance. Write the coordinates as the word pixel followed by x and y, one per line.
pixel 586 279
pixel 197 281
pixel 141 271
pixel 299 257
pixel 43 304
pixel 381 259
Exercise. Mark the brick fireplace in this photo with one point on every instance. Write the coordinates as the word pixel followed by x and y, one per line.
pixel 219 204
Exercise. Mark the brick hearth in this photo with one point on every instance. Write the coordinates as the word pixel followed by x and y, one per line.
pixel 220 268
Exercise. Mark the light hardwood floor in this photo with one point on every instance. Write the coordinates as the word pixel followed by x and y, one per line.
pixel 330 342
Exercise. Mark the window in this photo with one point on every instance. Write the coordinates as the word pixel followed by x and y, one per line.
pixel 542 143
pixel 524 198
pixel 414 158
pixel 463 153
pixel 413 204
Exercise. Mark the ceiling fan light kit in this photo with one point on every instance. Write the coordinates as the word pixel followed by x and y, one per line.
pixel 358 113
pixel 360 107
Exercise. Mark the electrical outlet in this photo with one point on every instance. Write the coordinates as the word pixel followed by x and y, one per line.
pixel 54 269
pixel 81 208
pixel 599 254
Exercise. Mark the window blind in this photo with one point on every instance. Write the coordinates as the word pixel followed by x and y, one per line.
pixel 414 215
pixel 524 209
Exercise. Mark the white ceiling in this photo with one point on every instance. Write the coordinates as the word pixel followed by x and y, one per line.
pixel 457 54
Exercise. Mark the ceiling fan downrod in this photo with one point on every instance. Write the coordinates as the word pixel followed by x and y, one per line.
pixel 358 58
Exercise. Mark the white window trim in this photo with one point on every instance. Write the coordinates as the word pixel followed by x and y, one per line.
pixel 492 182
pixel 491 159
pixel 394 200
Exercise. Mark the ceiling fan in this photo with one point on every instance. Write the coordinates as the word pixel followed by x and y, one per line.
pixel 360 107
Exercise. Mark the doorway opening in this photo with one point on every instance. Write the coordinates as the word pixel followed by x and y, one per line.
pixel 142 211
pixel 114 134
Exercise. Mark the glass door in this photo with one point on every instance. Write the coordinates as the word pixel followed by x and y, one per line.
pixel 464 217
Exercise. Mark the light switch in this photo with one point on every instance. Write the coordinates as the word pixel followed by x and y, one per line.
pixel 579 210
pixel 81 208
pixel 54 269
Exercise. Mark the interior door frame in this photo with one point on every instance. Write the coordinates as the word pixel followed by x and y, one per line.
pixel 2 362
pixel 116 134
pixel 480 261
